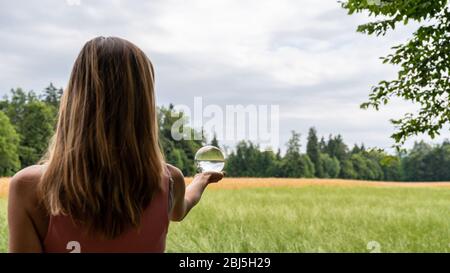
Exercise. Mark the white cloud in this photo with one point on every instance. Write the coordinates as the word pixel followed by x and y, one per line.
pixel 303 55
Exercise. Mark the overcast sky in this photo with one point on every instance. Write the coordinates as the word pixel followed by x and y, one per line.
pixel 303 55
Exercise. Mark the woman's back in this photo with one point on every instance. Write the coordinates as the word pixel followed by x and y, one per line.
pixel 64 235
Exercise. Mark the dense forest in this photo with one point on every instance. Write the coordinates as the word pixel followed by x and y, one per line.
pixel 27 121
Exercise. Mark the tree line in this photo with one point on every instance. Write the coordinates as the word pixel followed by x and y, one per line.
pixel 27 122
pixel 332 158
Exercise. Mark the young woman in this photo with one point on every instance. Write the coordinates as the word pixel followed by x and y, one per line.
pixel 104 185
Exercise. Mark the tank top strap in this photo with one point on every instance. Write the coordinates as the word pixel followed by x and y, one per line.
pixel 170 189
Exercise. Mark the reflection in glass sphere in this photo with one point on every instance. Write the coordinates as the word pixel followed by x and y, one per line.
pixel 209 159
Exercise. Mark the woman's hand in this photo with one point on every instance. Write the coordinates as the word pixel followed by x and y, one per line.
pixel 209 177
pixel 187 197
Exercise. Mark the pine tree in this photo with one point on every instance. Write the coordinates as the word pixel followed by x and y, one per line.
pixel 295 164
pixel 52 95
pixel 214 141
pixel 323 145
pixel 313 151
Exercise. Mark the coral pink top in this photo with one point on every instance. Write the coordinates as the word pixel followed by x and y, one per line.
pixel 64 236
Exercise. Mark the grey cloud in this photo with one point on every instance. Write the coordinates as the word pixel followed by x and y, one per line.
pixel 40 40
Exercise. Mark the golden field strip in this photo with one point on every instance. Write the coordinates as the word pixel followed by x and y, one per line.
pixel 3 187
pixel 238 183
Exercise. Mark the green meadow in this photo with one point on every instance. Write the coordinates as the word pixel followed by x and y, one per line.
pixel 317 219
pixel 313 218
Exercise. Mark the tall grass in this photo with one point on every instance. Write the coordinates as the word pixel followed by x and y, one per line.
pixel 3 226
pixel 322 217
pixel 316 219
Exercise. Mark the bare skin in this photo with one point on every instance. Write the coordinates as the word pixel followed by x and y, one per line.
pixel 185 198
pixel 28 219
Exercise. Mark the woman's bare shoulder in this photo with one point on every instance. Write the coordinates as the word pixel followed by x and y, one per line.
pixel 24 200
pixel 176 174
pixel 24 183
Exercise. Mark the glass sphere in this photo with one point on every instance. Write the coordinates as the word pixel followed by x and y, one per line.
pixel 209 159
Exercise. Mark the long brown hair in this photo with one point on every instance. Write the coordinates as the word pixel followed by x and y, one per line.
pixel 104 163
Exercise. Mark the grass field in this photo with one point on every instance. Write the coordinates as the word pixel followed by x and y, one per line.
pixel 309 215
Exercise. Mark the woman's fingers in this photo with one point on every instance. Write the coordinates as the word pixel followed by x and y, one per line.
pixel 214 177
